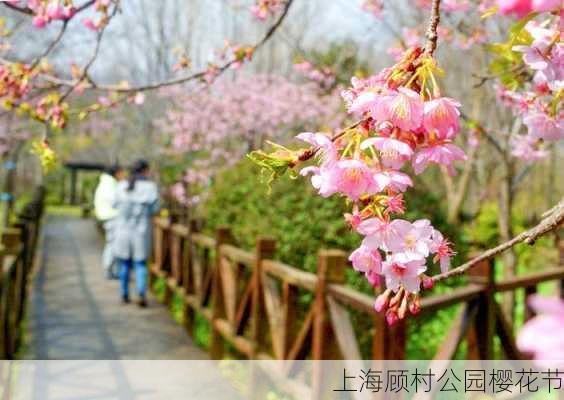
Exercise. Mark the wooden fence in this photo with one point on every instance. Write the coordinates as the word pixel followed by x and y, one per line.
pixel 252 302
pixel 19 242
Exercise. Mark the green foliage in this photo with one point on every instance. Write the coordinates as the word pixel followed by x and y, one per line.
pixel 507 63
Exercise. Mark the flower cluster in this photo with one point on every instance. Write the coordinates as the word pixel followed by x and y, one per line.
pixel 404 119
pixel 538 101
pixel 265 8
pixel 102 7
pixel 521 8
pixel 324 76
pixel 46 11
pixel 374 7
pixel 15 82
pixel 217 127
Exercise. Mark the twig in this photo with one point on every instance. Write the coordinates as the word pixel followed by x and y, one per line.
pixel 431 33
pixel 308 153
pixel 177 81
pixel 552 220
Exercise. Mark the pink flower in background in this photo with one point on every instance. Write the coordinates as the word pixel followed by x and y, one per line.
pixel 545 5
pixel 527 148
pixel 365 259
pixel 55 10
pixel 442 116
pixel 403 109
pixel 441 153
pixel 39 21
pixel 543 336
pixel 394 153
pixel 542 126
pixel 520 8
pixel 87 22
pixel 399 269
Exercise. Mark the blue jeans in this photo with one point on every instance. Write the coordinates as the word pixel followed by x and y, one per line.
pixel 140 276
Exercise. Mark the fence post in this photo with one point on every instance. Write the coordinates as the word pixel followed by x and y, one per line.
pixel 265 248
pixel 3 306
pixel 481 335
pixel 330 269
pixel 188 275
pixel 223 236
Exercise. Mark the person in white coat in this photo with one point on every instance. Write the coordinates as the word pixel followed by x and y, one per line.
pixel 106 213
pixel 137 200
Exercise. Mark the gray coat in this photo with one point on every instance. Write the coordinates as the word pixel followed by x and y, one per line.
pixel 133 223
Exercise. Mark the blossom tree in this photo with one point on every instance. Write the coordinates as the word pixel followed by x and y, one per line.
pixel 216 128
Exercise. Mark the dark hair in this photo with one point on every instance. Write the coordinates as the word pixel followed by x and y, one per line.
pixel 137 169
pixel 114 169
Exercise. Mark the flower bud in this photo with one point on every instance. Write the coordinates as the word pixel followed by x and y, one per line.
pixel 403 307
pixel 391 317
pixel 415 306
pixel 428 282
pixel 382 301
pixel 397 298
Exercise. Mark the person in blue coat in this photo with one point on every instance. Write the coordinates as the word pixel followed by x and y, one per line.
pixel 136 201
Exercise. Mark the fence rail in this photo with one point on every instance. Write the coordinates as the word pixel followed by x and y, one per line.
pixel 253 303
pixel 19 243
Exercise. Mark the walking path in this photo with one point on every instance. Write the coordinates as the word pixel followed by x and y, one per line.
pixel 76 318
pixel 75 313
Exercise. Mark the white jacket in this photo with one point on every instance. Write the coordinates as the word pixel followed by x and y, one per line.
pixel 104 198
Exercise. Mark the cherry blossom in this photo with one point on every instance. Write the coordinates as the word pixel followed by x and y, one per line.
pixel 543 336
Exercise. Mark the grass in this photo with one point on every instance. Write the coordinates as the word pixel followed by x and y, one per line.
pixel 64 210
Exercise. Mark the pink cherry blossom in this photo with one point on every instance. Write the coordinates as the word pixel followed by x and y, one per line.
pixel 543 126
pixel 353 178
pixel 365 259
pixel 441 248
pixel 400 270
pixel 394 153
pixel 87 22
pixel 545 5
pixel 441 153
pixel 364 102
pixel 543 336
pixel 323 142
pixel 377 232
pixel 393 180
pixel 412 239
pixel 442 116
pixel 520 8
pixel 55 11
pixel 39 21
pixel 527 148
pixel 403 108
pixel 322 179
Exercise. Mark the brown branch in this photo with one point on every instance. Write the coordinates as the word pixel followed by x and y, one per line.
pixel 177 81
pixel 28 11
pixel 431 33
pixel 551 221
pixel 306 154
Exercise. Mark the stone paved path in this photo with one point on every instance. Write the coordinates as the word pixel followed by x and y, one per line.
pixel 75 313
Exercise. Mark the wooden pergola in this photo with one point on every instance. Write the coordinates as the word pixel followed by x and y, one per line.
pixel 77 166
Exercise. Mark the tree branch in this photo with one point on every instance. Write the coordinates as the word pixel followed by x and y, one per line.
pixel 551 221
pixel 431 33
pixel 177 81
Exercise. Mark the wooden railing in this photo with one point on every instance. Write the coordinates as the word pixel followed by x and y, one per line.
pixel 16 258
pixel 255 304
